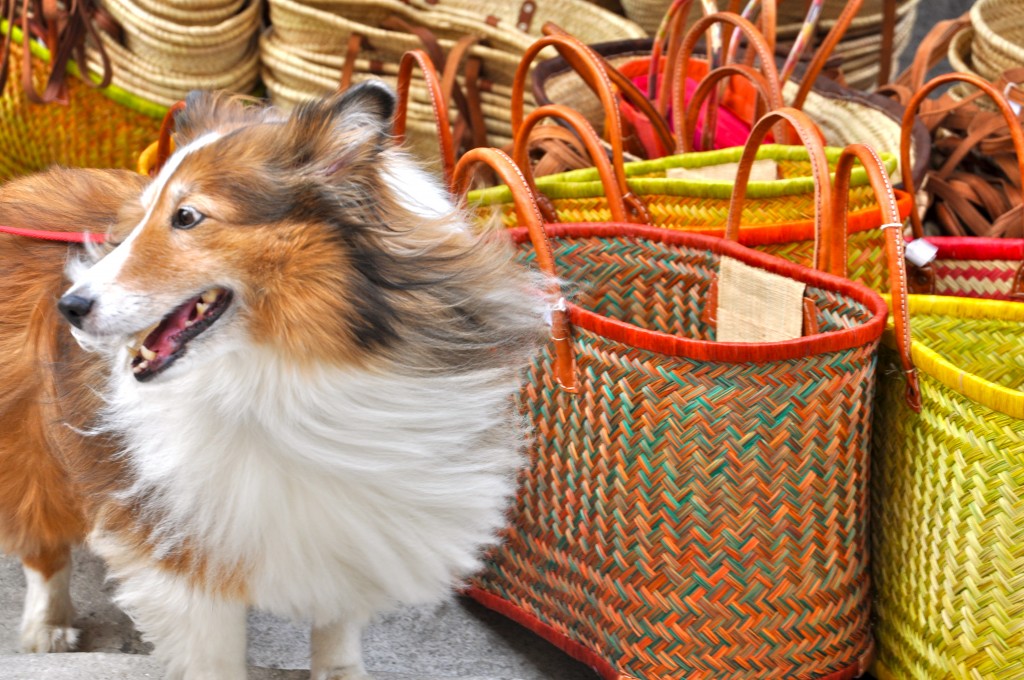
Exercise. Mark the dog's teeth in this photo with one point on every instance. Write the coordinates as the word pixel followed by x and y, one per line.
pixel 190 322
pixel 147 353
pixel 209 296
pixel 141 367
pixel 201 308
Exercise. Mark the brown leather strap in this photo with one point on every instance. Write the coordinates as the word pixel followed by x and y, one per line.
pixel 1017 289
pixel 614 184
pixel 163 141
pixel 909 115
pixel 529 217
pixel 630 92
pixel 686 122
pixel 356 42
pixel 888 41
pixel 931 50
pixel 437 104
pixel 892 226
pixel 826 239
pixel 688 45
pixel 5 47
pixel 591 69
pixel 825 50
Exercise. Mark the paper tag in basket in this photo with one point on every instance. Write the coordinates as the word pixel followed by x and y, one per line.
pixel 920 252
pixel 765 170
pixel 757 306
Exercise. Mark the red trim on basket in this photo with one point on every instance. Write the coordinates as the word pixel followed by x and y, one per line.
pixel 574 649
pixel 602 666
pixel 706 350
pixel 64 236
pixel 977 248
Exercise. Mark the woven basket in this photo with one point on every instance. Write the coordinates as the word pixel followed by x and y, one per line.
pixel 948 497
pixel 693 508
pixel 97 128
pixel 162 59
pixel 998 43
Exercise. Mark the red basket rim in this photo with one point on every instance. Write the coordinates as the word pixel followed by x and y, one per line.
pixel 706 350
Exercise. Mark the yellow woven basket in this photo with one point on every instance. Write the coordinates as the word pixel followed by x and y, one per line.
pixel 96 128
pixel 948 497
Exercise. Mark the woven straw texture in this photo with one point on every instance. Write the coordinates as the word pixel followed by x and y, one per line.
pixel 975 278
pixel 96 129
pixel 689 517
pixel 948 497
pixel 776 215
pixel 998 43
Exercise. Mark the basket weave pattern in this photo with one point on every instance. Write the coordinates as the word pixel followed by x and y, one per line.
pixel 92 130
pixel 689 518
pixel 948 548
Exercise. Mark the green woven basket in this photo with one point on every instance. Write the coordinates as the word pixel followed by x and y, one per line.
pixel 948 497
pixel 96 128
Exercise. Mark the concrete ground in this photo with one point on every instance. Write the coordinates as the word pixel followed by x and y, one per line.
pixel 458 640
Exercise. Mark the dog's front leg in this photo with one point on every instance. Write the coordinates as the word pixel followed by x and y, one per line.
pixel 199 636
pixel 46 622
pixel 337 649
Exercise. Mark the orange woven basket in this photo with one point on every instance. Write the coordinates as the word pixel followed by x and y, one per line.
pixel 694 508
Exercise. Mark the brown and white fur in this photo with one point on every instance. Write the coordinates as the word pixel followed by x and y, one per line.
pixel 338 437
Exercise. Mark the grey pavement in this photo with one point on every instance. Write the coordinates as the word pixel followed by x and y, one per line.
pixel 456 640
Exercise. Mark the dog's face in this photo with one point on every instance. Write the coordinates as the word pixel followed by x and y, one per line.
pixel 241 242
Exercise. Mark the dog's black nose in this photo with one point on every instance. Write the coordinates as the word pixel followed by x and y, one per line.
pixel 75 308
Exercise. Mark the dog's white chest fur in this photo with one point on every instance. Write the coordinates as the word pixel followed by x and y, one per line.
pixel 334 488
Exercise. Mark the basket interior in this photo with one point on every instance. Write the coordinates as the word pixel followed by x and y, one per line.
pixel 986 347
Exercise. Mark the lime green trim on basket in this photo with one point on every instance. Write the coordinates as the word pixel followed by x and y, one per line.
pixel 584 183
pixel 933 363
pixel 113 92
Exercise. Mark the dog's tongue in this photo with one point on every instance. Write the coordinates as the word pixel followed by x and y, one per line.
pixel 164 340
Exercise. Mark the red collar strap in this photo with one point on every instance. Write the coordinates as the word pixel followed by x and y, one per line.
pixel 65 236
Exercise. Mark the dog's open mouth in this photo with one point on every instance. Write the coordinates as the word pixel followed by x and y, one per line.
pixel 165 343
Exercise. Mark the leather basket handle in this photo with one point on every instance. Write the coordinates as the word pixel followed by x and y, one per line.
pixel 826 240
pixel 892 226
pixel 614 183
pixel 590 68
pixel 528 216
pixel 687 124
pixel 437 103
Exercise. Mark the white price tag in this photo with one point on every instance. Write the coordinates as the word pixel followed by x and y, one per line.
pixel 920 252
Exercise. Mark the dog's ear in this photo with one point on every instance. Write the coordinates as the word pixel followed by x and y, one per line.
pixel 343 131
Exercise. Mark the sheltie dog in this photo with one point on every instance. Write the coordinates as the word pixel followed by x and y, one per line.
pixel 290 384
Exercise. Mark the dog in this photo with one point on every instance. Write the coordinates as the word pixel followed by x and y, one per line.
pixel 289 383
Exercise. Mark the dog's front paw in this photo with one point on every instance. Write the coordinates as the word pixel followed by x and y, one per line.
pixel 43 638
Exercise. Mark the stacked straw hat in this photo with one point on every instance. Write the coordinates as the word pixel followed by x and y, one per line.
pixel 992 45
pixel 170 47
pixel 309 45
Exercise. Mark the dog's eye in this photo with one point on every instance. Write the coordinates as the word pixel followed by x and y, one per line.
pixel 186 217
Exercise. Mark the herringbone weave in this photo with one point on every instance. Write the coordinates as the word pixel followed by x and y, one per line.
pixel 948 497
pixel 975 278
pixel 689 517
